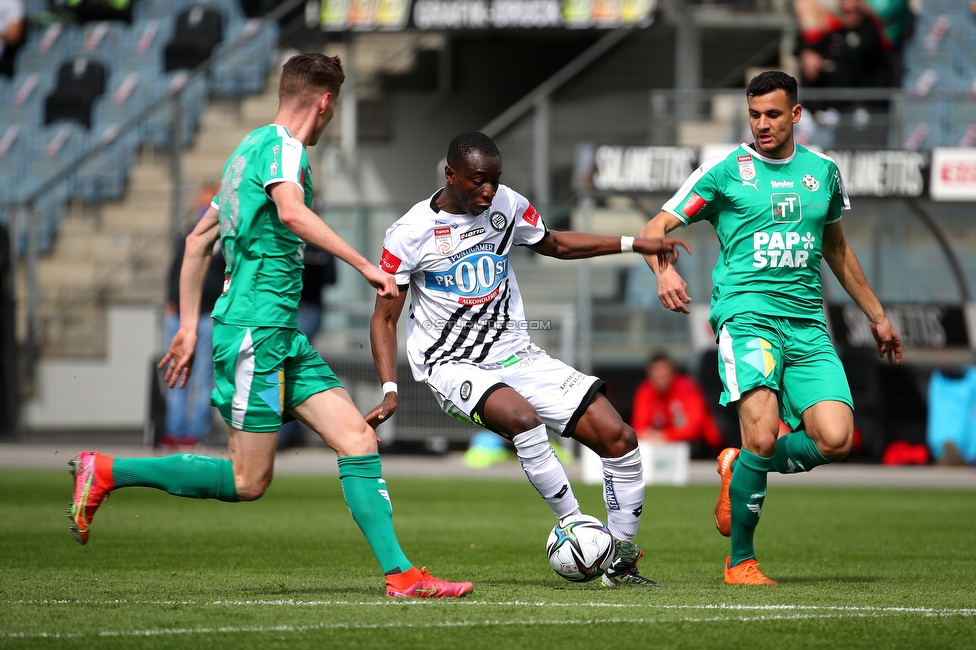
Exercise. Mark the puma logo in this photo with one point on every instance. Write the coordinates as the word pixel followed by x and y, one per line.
pixel 754 184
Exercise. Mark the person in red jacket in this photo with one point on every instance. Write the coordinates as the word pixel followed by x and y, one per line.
pixel 670 407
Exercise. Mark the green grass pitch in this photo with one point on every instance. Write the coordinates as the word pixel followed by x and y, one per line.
pixel 859 568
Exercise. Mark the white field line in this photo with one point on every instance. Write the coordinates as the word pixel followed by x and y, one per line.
pixel 469 602
pixel 277 629
pixel 777 613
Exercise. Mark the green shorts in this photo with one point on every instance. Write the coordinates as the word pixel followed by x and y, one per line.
pixel 792 356
pixel 263 372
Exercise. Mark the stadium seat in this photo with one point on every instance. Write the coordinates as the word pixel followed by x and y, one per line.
pixel 194 100
pixel 102 40
pixel 944 7
pixel 917 56
pixel 159 9
pixel 932 82
pixel 25 104
pixel 103 176
pixel 245 72
pixel 80 81
pixel 59 38
pixel 922 125
pixel 14 145
pixel 147 38
pixel 58 147
pixel 198 29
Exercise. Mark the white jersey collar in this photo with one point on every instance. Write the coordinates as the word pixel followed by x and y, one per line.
pixel 771 161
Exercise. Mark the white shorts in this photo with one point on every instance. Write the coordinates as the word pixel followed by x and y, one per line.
pixel 558 392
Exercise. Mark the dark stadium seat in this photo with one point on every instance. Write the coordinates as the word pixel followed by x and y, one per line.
pixel 197 32
pixel 81 80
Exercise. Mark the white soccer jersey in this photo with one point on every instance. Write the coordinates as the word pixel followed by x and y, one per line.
pixel 465 303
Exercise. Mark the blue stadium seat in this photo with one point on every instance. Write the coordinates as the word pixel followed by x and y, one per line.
pixel 245 72
pixel 934 30
pixel 60 38
pixel 14 144
pixel 194 101
pixel 944 7
pixel 147 37
pixel 917 56
pixel 57 147
pixel 923 125
pixel 933 81
pixel 103 176
pixel 160 9
pixel 962 124
pixel 25 101
pixel 31 62
pixel 103 39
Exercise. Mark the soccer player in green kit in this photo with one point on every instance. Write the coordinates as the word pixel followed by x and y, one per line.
pixel 263 365
pixel 776 209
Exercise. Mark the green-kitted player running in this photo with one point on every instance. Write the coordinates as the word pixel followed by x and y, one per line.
pixel 776 208
pixel 264 367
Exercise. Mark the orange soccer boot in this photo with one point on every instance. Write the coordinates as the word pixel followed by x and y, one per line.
pixel 425 586
pixel 93 482
pixel 723 507
pixel 747 573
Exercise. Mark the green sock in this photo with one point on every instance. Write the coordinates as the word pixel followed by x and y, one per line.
pixel 369 502
pixel 747 491
pixel 183 475
pixel 797 452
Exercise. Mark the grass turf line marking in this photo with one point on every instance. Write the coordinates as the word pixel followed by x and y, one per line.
pixel 444 625
pixel 446 603
pixel 468 603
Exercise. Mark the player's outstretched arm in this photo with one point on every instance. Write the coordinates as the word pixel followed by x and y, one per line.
pixel 581 245
pixel 843 262
pixel 672 290
pixel 289 198
pixel 383 345
pixel 178 361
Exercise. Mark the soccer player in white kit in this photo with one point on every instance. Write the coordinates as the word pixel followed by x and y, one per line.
pixel 467 336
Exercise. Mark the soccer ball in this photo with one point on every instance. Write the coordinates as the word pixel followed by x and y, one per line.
pixel 580 548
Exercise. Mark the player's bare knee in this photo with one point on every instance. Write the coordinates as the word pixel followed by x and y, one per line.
pixel 613 441
pixel 836 447
pixel 523 420
pixel 251 490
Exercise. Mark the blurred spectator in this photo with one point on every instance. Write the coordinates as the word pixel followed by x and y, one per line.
pixel 849 50
pixel 11 33
pixel 818 17
pixel 670 407
pixel 319 271
pixel 188 411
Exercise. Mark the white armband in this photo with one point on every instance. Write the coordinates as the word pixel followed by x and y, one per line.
pixel 626 244
pixel 389 387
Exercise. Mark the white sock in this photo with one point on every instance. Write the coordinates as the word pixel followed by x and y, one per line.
pixel 545 472
pixel 623 493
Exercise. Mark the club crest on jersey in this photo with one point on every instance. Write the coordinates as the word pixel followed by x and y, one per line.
pixel 466 390
pixel 442 240
pixel 747 167
pixel 810 183
pixel 498 220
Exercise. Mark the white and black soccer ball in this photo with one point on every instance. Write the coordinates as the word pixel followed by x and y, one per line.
pixel 580 548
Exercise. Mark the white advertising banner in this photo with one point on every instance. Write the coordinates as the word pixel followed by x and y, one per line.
pixel 953 175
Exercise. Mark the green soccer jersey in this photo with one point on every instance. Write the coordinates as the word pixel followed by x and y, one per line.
pixel 769 216
pixel 263 281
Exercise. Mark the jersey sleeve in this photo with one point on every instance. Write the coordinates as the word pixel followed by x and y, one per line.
pixel 839 201
pixel 530 228
pixel 399 256
pixel 697 198
pixel 283 160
